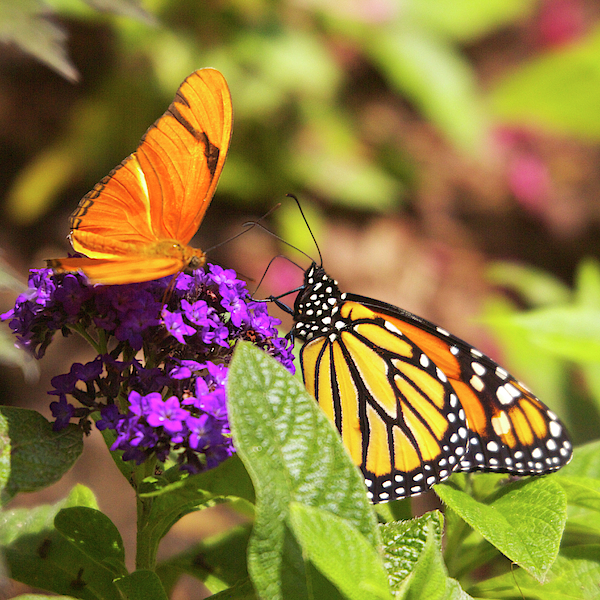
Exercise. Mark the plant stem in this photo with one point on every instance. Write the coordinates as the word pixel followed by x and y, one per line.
pixel 87 337
pixel 147 545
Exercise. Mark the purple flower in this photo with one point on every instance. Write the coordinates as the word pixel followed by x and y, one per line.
pixel 202 432
pixel 175 325
pixel 140 405
pixel 64 384
pixel 110 417
pixel 198 312
pixel 214 404
pixel 166 413
pixel 158 381
pixel 217 374
pixel 72 293
pixel 235 305
pixel 222 277
pixel 62 411
pixel 184 369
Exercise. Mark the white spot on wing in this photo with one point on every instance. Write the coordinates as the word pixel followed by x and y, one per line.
pixel 555 429
pixel 391 327
pixel 478 368
pixel 477 383
pixel 501 423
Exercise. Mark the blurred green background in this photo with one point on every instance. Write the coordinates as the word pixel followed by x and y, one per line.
pixel 446 152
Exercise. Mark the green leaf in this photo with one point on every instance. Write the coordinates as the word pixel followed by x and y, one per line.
pixel 525 522
pixel 41 597
pixel 219 562
pixel 414 560
pixel 591 374
pixel 585 462
pixel 574 576
pixel 404 541
pixel 537 287
pixel 28 522
pixel 5 447
pixel 32 442
pixel 437 78
pixel 228 480
pixel 336 165
pixel 38 555
pixel 94 534
pixel 572 332
pixel 23 22
pixel 543 372
pixel 398 510
pixel 558 91
pixel 39 182
pixel 141 585
pixel 466 20
pixel 244 590
pixel 582 491
pixel 580 479
pixel 285 63
pixel 340 552
pixel 587 293
pixel 175 494
pixel 292 453
pixel 587 283
pixel 125 8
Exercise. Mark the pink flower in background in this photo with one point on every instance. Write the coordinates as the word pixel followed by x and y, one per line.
pixel 560 22
pixel 529 180
pixel 527 175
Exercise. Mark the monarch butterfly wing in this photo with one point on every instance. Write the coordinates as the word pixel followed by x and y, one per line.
pixel 510 430
pixel 161 191
pixel 398 416
pixel 120 269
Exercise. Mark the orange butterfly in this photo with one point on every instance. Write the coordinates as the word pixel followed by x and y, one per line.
pixel 135 225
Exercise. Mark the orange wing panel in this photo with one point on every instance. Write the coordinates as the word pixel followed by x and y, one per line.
pixel 130 269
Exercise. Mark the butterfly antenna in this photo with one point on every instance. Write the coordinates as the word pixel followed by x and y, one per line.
pixel 248 226
pixel 274 298
pixel 257 224
pixel 312 235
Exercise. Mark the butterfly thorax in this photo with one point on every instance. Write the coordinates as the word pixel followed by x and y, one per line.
pixel 175 249
pixel 192 258
pixel 317 304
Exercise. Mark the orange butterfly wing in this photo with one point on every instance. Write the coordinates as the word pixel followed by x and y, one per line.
pixel 136 223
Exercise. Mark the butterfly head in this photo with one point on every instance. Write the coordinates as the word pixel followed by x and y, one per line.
pixel 316 304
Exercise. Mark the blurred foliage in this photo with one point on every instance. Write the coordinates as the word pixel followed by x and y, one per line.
pixel 22 22
pixel 300 125
pixel 559 91
pixel 290 64
pixel 558 337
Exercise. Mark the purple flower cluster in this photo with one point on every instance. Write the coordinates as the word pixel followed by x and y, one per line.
pixel 163 349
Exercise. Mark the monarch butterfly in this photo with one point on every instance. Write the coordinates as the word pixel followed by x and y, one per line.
pixel 136 223
pixel 412 402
